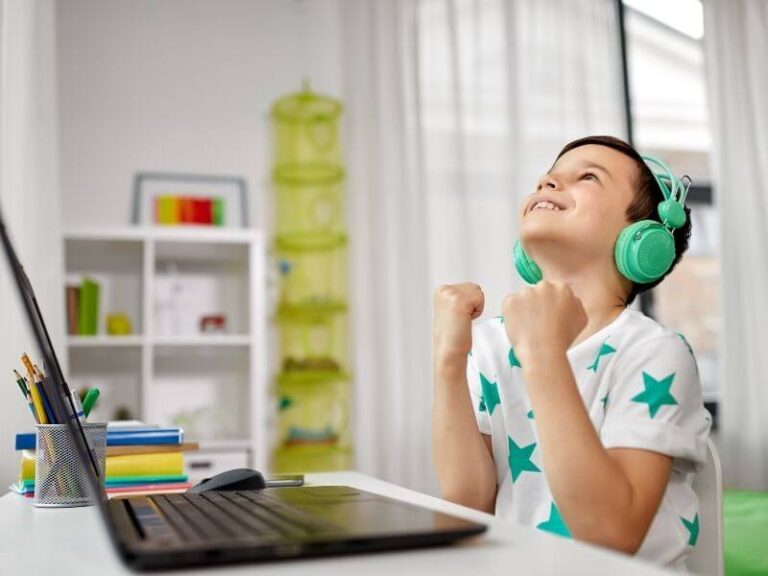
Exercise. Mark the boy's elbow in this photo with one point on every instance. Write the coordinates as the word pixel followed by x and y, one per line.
pixel 621 536
pixel 471 499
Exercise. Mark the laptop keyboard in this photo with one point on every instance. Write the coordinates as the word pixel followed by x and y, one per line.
pixel 232 515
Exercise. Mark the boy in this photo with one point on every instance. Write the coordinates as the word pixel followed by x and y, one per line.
pixel 584 417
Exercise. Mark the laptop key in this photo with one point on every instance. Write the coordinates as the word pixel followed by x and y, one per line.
pixel 179 522
pixel 252 524
pixel 202 523
pixel 264 514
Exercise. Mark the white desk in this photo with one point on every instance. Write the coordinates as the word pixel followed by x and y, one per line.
pixel 72 541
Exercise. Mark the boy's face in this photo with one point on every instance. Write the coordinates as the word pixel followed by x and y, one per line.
pixel 592 186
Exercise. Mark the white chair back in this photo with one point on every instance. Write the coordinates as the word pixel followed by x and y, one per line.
pixel 707 556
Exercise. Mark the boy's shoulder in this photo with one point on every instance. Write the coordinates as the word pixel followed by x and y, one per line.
pixel 641 334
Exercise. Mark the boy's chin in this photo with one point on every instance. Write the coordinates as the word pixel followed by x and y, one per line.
pixel 546 233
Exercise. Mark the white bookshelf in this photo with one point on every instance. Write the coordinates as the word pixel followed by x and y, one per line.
pixel 167 372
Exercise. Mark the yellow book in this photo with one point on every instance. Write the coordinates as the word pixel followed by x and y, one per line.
pixel 158 464
pixel 27 471
pixel 166 210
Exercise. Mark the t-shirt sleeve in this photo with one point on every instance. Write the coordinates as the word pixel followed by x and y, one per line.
pixel 655 402
pixel 476 394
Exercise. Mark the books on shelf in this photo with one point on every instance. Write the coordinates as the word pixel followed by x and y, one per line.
pixel 83 308
pixel 135 461
pixel 175 210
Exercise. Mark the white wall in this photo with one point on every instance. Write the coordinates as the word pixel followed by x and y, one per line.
pixel 180 85
pixel 30 201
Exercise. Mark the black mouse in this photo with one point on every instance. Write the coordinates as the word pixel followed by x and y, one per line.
pixel 237 479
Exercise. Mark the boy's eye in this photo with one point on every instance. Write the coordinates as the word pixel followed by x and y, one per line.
pixel 590 176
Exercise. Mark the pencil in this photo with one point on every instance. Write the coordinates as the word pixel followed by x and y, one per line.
pixel 36 398
pixel 25 391
pixel 44 394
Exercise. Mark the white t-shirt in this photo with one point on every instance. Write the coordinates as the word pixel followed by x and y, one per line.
pixel 640 384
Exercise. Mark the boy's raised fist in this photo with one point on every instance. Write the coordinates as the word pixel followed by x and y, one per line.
pixel 456 305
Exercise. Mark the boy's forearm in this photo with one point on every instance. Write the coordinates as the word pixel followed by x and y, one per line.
pixel 592 493
pixel 465 468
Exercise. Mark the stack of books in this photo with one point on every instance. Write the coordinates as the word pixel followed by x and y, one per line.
pixel 140 460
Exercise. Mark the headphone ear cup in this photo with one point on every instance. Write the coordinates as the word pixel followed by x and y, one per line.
pixel 527 268
pixel 644 251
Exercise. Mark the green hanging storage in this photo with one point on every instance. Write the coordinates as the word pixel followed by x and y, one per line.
pixel 312 387
pixel 307 139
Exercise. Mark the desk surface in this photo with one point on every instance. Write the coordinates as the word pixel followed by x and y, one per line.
pixel 73 541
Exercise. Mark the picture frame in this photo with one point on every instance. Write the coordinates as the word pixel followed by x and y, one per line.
pixel 148 186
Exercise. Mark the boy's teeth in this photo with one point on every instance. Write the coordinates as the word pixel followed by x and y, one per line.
pixel 545 205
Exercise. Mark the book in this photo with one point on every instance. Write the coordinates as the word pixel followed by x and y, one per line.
pixel 217 209
pixel 73 297
pixel 167 210
pixel 88 308
pixel 156 483
pixel 133 467
pixel 132 437
pixel 186 210
pixel 152 449
pixel 203 211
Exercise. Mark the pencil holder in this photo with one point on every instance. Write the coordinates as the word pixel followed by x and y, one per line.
pixel 60 480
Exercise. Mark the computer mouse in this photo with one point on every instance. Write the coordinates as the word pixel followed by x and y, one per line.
pixel 237 479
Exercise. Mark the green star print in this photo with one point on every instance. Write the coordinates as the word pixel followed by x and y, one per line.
pixel 555 523
pixel 490 394
pixel 520 459
pixel 693 529
pixel 656 393
pixel 513 361
pixel 605 349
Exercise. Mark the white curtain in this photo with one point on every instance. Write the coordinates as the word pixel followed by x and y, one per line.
pixel 736 37
pixel 29 198
pixel 453 109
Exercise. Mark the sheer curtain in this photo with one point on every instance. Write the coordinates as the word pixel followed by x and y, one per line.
pixel 28 196
pixel 454 107
pixel 737 64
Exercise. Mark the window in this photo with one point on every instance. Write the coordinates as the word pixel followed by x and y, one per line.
pixel 667 92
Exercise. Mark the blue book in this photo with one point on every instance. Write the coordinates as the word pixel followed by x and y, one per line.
pixel 132 437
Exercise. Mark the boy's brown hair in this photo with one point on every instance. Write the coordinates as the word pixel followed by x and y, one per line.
pixel 644 206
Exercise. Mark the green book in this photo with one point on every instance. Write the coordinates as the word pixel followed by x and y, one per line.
pixel 88 313
pixel 218 211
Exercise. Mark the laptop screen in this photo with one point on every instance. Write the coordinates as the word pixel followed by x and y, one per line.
pixel 62 401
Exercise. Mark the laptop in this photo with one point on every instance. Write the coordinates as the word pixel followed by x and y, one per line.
pixel 201 529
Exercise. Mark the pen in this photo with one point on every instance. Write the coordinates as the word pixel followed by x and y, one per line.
pixel 39 376
pixel 23 387
pixel 90 400
pixel 78 405
pixel 36 398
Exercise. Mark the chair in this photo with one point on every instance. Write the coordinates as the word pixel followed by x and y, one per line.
pixel 707 555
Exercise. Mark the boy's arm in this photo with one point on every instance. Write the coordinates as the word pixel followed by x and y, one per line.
pixel 462 456
pixel 607 497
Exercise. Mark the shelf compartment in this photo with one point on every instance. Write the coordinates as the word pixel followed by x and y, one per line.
pixel 117 266
pixel 115 371
pixel 196 279
pixel 204 390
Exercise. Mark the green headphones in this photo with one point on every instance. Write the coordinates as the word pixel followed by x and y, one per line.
pixel 644 250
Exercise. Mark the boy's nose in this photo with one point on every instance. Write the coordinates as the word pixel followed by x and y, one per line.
pixel 548 181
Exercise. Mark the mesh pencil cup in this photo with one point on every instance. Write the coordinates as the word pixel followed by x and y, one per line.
pixel 60 480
